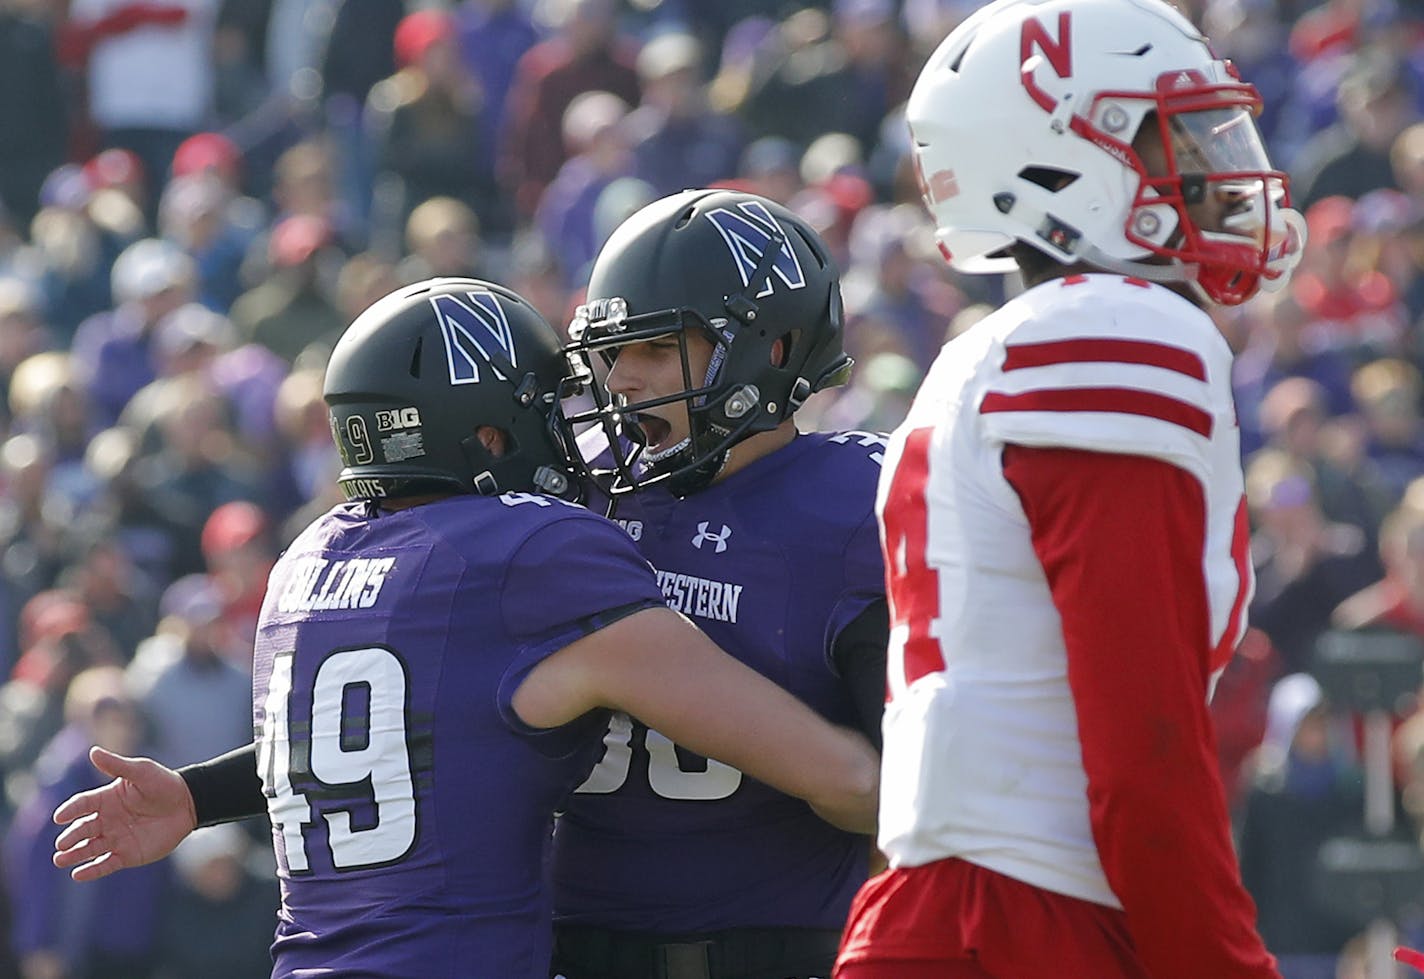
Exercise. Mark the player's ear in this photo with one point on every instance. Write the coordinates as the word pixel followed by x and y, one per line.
pixel 494 440
pixel 780 347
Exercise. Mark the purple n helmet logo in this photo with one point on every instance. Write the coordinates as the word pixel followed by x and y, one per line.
pixel 747 230
pixel 473 326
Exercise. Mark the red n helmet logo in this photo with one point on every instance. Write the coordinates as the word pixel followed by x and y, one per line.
pixel 1058 52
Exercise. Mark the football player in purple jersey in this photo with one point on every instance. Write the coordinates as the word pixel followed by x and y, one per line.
pixel 435 663
pixel 715 314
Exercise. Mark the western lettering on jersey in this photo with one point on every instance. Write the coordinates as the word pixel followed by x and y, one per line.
pixel 319 585
pixel 701 597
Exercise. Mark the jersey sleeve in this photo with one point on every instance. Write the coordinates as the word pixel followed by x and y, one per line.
pixel 864 566
pixel 568 579
pixel 1135 626
pixel 1147 378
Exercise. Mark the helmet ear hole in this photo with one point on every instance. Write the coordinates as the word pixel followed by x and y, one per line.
pixel 1049 178
pixel 781 347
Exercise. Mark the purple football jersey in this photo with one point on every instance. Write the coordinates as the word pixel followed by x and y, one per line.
pixel 411 807
pixel 772 563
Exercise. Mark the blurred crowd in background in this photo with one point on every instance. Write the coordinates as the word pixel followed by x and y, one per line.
pixel 199 194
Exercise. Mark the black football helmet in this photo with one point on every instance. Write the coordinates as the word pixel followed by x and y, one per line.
pixel 418 372
pixel 744 272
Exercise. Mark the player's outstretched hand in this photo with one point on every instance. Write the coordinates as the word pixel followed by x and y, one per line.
pixel 136 819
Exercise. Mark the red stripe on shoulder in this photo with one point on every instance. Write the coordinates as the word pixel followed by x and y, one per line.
pixel 1073 280
pixel 1104 350
pixel 1133 280
pixel 1123 401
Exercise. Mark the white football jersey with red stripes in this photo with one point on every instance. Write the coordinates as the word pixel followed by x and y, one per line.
pixel 982 759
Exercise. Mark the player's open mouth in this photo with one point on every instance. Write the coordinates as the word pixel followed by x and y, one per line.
pixel 655 430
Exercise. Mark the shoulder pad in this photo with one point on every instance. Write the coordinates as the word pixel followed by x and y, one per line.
pixel 1115 367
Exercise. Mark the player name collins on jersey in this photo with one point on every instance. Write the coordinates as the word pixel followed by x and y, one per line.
pixel 317 584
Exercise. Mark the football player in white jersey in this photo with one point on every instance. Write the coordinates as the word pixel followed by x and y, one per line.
pixel 1062 511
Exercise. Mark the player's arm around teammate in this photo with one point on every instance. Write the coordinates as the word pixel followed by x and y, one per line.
pixel 654 664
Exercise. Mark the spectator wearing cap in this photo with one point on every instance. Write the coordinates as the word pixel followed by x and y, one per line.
pixel 219 920
pixel 1342 284
pixel 586 54
pixel 62 928
pixel 218 158
pixel 119 187
pixel 291 309
pixel 211 154
pixel 58 643
pixel 239 553
pixel 191 337
pixel 596 135
pixel 425 124
pixel 1376 99
pixel 198 701
pixel 678 140
pixel 113 351
pixel 197 213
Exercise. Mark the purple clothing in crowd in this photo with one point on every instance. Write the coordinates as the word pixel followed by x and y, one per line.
pixel 675 154
pixel 566 217
pixel 113 356
pixel 115 918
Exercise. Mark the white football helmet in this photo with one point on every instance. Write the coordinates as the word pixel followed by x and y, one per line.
pixel 1023 124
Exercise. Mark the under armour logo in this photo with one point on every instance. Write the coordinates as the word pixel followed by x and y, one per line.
pixel 703 534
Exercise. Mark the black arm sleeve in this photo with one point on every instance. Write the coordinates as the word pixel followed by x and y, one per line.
pixel 859 655
pixel 226 788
